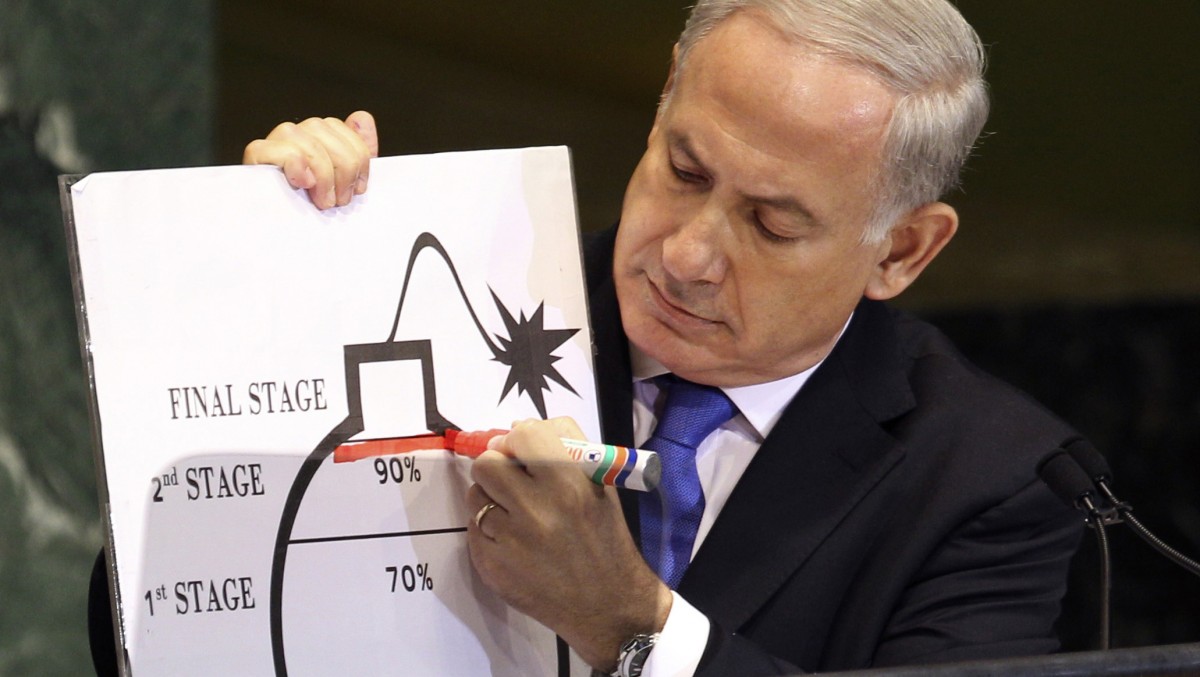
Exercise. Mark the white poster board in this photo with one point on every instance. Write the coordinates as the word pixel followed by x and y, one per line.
pixel 236 337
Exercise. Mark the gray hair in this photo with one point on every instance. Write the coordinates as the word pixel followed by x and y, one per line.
pixel 923 49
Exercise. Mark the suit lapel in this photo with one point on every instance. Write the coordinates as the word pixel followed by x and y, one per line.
pixel 614 375
pixel 826 453
pixel 614 380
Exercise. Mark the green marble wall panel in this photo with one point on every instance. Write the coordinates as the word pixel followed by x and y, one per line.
pixel 84 86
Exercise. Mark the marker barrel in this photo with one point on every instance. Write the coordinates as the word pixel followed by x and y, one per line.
pixel 637 469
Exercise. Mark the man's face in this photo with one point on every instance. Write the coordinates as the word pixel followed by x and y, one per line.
pixel 739 254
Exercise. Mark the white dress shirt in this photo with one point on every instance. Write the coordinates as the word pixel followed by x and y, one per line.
pixel 720 461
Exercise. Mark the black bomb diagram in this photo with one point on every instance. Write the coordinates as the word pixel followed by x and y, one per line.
pixel 528 353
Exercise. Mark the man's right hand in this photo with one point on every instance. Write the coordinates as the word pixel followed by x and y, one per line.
pixel 328 157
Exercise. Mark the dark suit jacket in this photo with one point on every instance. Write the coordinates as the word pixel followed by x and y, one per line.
pixel 893 515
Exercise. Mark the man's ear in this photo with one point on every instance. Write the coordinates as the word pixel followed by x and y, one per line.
pixel 910 246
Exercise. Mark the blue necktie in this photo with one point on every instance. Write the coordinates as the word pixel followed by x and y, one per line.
pixel 671 514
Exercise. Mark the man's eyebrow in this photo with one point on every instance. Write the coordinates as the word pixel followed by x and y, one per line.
pixel 684 145
pixel 784 203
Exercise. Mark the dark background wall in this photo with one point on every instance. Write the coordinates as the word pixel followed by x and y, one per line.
pixel 1074 275
pixel 1087 185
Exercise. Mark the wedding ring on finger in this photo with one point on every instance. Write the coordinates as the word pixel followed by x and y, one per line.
pixel 483 513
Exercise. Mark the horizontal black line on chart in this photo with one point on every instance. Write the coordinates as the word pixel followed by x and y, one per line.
pixel 364 537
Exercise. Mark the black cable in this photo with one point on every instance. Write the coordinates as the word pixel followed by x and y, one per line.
pixel 1097 524
pixel 1155 542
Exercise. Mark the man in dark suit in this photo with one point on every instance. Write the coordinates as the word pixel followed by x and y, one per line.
pixel 872 500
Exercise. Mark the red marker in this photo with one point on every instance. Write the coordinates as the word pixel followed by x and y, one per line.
pixel 637 469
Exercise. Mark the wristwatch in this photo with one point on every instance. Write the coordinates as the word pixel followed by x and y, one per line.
pixel 634 653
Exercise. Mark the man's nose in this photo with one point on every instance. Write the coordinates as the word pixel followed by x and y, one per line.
pixel 694 251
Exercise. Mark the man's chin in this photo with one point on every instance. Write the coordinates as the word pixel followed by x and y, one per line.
pixel 672 350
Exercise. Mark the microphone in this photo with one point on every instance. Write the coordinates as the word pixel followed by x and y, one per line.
pixel 1063 474
pixel 1093 464
pixel 1067 479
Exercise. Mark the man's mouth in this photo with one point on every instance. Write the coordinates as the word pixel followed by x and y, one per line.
pixel 673 308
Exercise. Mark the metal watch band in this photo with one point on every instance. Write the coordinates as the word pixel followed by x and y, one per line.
pixel 634 653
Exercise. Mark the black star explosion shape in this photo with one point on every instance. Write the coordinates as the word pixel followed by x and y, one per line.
pixel 528 353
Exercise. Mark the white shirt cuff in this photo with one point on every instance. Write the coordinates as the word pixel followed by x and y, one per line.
pixel 681 643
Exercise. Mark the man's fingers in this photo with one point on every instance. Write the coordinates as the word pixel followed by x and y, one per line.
pixel 483 508
pixel 538 445
pixel 354 165
pixel 503 481
pixel 329 158
pixel 345 153
pixel 301 155
pixel 363 123
pixel 566 427
pixel 286 155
